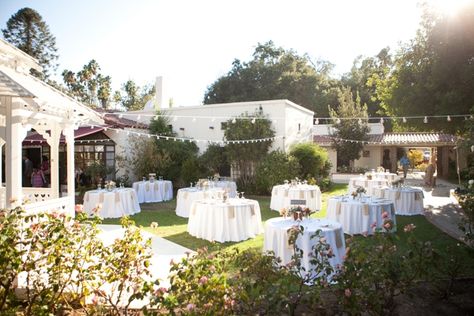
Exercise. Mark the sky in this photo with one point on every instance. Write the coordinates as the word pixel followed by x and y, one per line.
pixel 193 43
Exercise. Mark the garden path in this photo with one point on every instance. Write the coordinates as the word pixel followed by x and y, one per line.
pixel 441 208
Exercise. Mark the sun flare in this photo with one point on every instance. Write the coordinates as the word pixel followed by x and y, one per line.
pixel 450 7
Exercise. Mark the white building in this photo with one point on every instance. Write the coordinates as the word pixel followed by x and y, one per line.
pixel 292 123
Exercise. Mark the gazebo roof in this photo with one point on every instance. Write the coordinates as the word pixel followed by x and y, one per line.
pixel 402 139
pixel 44 97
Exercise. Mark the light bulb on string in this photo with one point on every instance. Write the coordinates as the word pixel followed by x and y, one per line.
pixel 92 126
pixel 253 120
pixel 156 117
pixel 234 120
pixel 194 119
pixel 425 120
pixel 139 117
pixel 175 118
pixel 381 120
pixel 338 121
pixel 448 118
pixel 316 121
pixel 360 121
pixel 404 120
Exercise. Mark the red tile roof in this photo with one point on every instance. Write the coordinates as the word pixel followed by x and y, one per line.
pixel 36 138
pixel 407 138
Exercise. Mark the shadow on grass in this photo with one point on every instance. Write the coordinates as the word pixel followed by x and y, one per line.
pixel 186 240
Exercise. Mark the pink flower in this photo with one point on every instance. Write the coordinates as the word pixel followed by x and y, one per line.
pixel 330 253
pixel 384 215
pixel 365 234
pixel 212 268
pixel 409 228
pixel 203 280
pixel 373 225
pixel 347 292
pixel 79 208
pixel 387 225
pixel 190 307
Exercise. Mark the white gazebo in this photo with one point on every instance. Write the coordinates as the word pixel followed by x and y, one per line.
pixel 27 103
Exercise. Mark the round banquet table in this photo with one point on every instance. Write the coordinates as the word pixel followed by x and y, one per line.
pixel 276 239
pixel 156 191
pixel 358 216
pixel 233 220
pixel 229 186
pixel 407 201
pixel 390 177
pixel 369 185
pixel 115 203
pixel 186 196
pixel 283 194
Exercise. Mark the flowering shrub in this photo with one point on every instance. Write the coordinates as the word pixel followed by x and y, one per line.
pixel 466 201
pixel 52 264
pixel 375 273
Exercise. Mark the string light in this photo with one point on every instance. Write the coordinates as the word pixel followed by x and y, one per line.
pixel 183 139
pixel 234 121
pixel 253 120
pixel 316 121
pixel 404 120
pixel 425 120
pixel 448 118
pixel 381 120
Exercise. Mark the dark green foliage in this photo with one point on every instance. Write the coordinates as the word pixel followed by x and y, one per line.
pixel 312 159
pixel 216 160
pixel 273 169
pixel 349 129
pixel 27 31
pixel 432 74
pixel 245 157
pixel 275 73
pixel 192 170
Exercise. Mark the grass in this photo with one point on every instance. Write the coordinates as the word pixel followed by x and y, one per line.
pixel 174 228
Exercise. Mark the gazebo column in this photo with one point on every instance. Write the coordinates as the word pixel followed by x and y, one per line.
pixel 69 135
pixel 53 142
pixel 15 132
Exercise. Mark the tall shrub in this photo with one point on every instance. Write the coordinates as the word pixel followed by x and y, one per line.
pixel 312 159
pixel 274 169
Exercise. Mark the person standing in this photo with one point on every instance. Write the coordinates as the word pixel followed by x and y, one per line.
pixel 45 167
pixel 405 162
pixel 27 171
pixel 37 178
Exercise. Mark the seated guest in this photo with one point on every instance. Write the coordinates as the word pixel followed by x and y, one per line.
pixel 430 178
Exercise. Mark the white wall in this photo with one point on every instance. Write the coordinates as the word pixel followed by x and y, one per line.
pixel 328 129
pixel 204 122
pixel 373 161
pixel 123 149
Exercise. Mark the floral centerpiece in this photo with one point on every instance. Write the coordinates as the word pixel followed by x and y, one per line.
pixel 297 212
pixel 202 184
pixel 380 169
pixel 369 177
pixel 358 192
pixel 110 185
pixel 216 176
pixel 152 177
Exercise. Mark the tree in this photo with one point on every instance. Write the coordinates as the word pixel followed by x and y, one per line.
pixel 313 160
pixel 27 31
pixel 432 74
pixel 244 157
pixel 275 168
pixel 275 73
pixel 349 129
pixel 216 159
pixel 360 79
pixel 88 85
pixel 132 97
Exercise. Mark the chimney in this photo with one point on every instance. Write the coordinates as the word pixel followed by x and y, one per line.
pixel 161 98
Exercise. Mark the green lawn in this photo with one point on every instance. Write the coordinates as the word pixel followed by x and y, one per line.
pixel 173 228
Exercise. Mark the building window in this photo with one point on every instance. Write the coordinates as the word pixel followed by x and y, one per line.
pixel 86 155
pixel 299 127
pixel 366 153
pixel 211 127
pixel 181 128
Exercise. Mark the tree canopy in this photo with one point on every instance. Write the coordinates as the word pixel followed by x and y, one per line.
pixel 433 73
pixel 27 31
pixel 276 73
pixel 349 129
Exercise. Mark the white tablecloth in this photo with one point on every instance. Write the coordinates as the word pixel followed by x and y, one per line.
pixel 383 175
pixel 276 239
pixel 357 217
pixel 407 201
pixel 283 194
pixel 186 196
pixel 156 191
pixel 235 220
pixel 230 186
pixel 116 203
pixel 369 185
